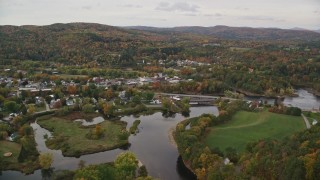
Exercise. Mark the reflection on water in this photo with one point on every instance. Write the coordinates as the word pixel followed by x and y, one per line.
pixel 151 145
pixel 305 100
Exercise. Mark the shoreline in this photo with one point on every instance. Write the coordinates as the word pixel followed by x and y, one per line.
pixel 171 138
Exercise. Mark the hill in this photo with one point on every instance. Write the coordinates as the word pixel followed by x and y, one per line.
pixel 81 42
pixel 241 33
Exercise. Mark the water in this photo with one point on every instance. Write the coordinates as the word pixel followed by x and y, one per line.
pixel 305 100
pixel 151 146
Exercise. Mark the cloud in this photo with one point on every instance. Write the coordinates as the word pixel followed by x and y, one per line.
pixel 242 8
pixel 86 7
pixel 258 18
pixel 178 6
pixel 213 15
pixel 190 14
pixel 131 6
pixel 262 18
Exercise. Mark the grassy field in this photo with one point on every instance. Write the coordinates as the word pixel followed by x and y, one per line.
pixel 248 127
pixel 11 163
pixel 70 136
pixel 14 148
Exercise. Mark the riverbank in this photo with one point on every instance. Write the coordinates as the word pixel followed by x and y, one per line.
pixel 171 136
pixel 314 92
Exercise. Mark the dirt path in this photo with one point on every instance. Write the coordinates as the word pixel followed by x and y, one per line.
pixel 261 120
pixel 306 121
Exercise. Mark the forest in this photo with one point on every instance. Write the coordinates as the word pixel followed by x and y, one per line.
pixel 259 67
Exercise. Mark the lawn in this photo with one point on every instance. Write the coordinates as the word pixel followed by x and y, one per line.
pixel 11 163
pixel 247 127
pixel 70 136
pixel 14 148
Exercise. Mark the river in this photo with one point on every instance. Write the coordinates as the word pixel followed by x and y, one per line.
pixel 151 145
pixel 304 100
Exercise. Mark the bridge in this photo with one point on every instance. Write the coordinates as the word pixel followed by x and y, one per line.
pixel 197 99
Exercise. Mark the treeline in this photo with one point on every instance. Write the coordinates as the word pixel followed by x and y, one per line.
pixel 294 157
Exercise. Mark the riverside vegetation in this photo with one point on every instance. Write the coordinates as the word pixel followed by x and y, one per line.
pixel 272 152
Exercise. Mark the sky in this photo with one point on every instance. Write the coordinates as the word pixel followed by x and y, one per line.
pixel 164 13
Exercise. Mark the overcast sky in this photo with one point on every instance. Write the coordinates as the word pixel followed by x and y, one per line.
pixel 166 13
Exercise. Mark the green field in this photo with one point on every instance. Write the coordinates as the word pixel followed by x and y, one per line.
pixel 248 127
pixel 70 136
pixel 14 148
pixel 12 163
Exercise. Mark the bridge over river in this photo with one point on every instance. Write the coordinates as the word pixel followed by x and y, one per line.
pixel 196 99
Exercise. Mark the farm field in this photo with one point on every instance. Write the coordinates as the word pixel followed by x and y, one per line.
pixel 248 127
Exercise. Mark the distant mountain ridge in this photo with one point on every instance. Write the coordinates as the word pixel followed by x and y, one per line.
pixel 79 43
pixel 240 33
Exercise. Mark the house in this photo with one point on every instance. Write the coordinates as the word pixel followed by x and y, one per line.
pixel 70 102
pixel 122 95
pixel 145 80
pixel 54 103
pixel 177 98
pixel 156 101
pixel 314 122
pixel 39 100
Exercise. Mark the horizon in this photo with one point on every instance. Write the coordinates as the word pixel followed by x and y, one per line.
pixel 293 28
pixel 287 14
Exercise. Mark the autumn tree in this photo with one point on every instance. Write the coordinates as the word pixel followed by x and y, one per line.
pixel 126 165
pixel 72 89
pixel 45 160
pixel 31 108
pixel 108 109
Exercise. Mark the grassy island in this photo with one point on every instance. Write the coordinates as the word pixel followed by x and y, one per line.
pixel 72 138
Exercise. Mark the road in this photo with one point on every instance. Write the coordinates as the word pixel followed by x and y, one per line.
pixel 306 121
pixel 195 96
pixel 47 106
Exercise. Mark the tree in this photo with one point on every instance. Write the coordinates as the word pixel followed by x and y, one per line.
pixel 31 108
pixel 72 89
pixel 109 94
pixel 148 96
pixel 88 108
pixel 136 99
pixel 25 130
pixel 108 109
pixel 87 173
pixel 45 160
pixel 126 165
pixel 143 171
pixel 11 106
